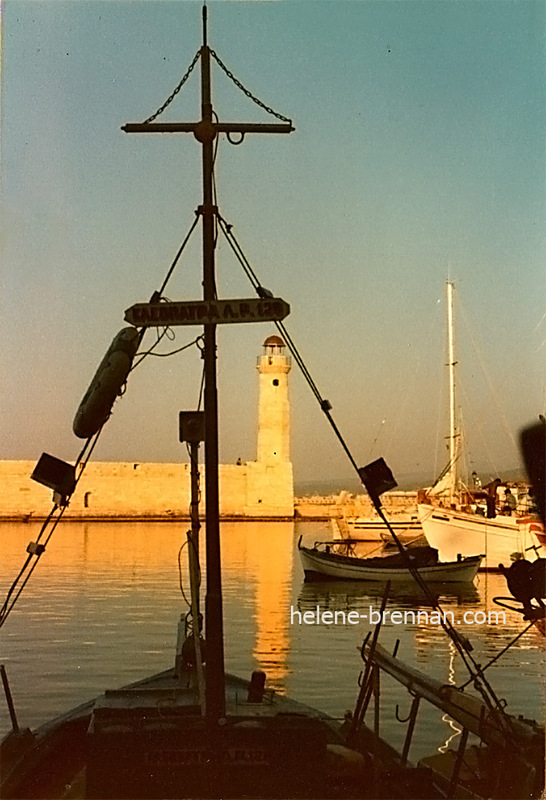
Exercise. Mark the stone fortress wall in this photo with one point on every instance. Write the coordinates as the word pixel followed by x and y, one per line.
pixel 258 489
pixel 121 491
pixel 149 491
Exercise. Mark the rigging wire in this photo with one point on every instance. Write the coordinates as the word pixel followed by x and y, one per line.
pixel 446 470
pixel 29 564
pixel 178 349
pixel 412 377
pixel 478 429
pixel 177 256
pixel 501 653
pixel 492 389
pixel 462 645
pixel 201 389
pixel 441 402
pixel 477 677
pixel 6 608
pixel 214 189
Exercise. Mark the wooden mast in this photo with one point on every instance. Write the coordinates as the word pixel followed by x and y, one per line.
pixel 206 131
pixel 215 680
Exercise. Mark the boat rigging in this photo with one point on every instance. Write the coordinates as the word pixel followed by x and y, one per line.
pixel 376 477
pixel 205 131
pixel 167 749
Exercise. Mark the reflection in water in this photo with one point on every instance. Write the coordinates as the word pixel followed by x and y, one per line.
pixel 263 552
pixel 273 581
pixel 358 594
pixel 445 717
pixel 102 607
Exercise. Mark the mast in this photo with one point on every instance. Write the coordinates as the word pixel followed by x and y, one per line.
pixel 453 434
pixel 215 681
pixel 206 131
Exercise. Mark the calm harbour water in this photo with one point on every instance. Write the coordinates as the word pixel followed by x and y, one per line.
pixel 102 607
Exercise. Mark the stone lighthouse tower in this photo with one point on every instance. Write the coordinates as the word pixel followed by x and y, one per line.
pixel 270 482
pixel 273 406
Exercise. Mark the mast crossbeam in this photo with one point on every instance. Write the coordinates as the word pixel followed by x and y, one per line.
pixel 219 127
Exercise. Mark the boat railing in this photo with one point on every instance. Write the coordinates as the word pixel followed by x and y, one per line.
pixel 469 711
pixel 474 716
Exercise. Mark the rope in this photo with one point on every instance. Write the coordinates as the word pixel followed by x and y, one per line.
pixel 172 352
pixel 180 582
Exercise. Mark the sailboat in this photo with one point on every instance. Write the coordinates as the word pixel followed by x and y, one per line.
pixel 194 731
pixel 460 521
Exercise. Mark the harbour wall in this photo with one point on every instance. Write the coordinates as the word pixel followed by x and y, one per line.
pixel 141 491
pixel 252 490
pixel 345 504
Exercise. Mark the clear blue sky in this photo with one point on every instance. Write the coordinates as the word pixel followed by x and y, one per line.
pixel 419 153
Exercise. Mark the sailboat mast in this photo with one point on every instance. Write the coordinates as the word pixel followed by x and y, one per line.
pixel 452 416
pixel 215 679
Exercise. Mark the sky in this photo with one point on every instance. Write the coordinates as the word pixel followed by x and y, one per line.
pixel 418 157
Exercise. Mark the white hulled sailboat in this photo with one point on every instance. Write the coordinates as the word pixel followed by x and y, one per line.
pixel 462 521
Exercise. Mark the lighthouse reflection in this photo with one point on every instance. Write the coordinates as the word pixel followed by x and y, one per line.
pixel 263 553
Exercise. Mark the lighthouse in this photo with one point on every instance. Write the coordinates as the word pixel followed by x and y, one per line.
pixel 273 403
pixel 269 479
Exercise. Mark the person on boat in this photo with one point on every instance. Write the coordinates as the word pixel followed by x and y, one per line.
pixel 510 503
pixel 490 490
pixel 476 481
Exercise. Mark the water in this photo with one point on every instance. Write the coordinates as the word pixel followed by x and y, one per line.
pixel 102 607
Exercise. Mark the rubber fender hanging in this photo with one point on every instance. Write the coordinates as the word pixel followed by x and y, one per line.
pixel 107 383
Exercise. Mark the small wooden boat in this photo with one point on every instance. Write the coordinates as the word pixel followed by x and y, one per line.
pixel 150 740
pixel 192 731
pixel 329 560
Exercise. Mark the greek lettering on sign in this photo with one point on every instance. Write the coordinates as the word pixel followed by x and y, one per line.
pixel 197 312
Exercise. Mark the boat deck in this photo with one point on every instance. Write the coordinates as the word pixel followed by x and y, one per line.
pixel 150 740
